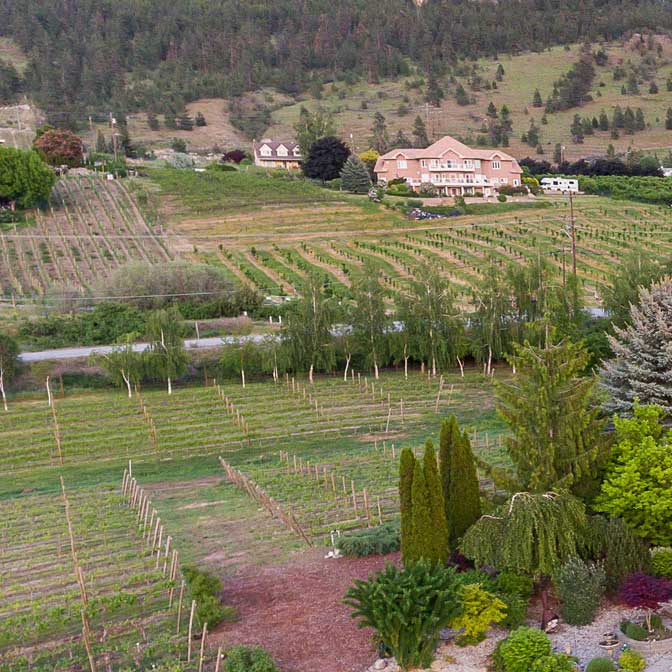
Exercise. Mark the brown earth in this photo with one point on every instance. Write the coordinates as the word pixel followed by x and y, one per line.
pixel 295 611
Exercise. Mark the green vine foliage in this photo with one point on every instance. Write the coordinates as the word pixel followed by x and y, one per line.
pixel 532 534
pixel 407 608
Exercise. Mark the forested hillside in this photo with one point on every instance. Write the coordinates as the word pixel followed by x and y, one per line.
pixel 154 55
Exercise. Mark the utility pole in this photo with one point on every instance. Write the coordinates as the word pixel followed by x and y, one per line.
pixel 573 232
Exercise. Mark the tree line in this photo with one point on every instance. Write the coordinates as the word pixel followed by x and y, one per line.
pixel 155 56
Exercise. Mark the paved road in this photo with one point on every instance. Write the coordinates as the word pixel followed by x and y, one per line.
pixel 74 353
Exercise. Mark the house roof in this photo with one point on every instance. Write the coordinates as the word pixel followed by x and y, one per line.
pixel 440 147
pixel 274 145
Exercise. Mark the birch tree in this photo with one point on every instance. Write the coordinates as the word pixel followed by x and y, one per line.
pixel 9 362
pixel 434 323
pixel 307 332
pixel 124 366
pixel 370 322
pixel 166 357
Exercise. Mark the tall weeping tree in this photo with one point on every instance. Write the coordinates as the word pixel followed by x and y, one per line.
pixel 434 323
pixel 556 431
pixel 307 329
pixel 532 534
pixel 438 550
pixel 406 469
pixel 642 367
pixel 369 318
pixel 166 357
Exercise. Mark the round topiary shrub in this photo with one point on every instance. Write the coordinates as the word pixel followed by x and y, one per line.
pixel 522 647
pixel 600 665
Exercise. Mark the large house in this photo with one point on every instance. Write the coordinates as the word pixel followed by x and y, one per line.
pixel 275 154
pixel 451 167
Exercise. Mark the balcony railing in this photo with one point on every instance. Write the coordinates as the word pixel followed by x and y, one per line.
pixel 451 165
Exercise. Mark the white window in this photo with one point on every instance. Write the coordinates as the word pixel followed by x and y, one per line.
pixel 402 164
pixel 495 180
pixel 504 180
pixel 297 151
pixel 468 163
pixel 423 163
pixel 496 165
pixel 516 183
pixel 265 150
pixel 477 163
pixel 282 150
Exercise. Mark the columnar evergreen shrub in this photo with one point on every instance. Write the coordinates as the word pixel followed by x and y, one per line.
pixel 580 587
pixel 522 648
pixel 407 608
pixel 355 176
pixel 406 468
pixel 439 531
pixel 661 561
pixel 420 544
pixel 601 665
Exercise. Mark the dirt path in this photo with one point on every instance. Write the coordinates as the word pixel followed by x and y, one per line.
pixel 295 611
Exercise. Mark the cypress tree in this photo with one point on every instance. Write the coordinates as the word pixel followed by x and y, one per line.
pixel 355 176
pixel 420 543
pixel 448 437
pixel 439 530
pixel 406 467
pixel 465 496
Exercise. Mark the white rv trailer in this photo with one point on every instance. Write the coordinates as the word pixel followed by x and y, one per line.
pixel 562 184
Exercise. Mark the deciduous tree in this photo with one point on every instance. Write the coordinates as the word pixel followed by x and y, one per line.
pixel 166 356
pixel 61 147
pixel 25 180
pixel 9 364
pixel 325 159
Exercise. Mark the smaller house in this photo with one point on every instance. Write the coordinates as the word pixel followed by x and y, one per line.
pixel 560 184
pixel 277 154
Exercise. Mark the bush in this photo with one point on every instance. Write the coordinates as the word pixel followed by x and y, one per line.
pixel 248 659
pixel 501 198
pixel 413 203
pixel 515 591
pixel 479 610
pixel 634 631
pixel 424 594
pixel 580 587
pixel 377 540
pixel 522 647
pixel 661 561
pixel 203 588
pixel 631 661
pixel 600 665
pixel 556 662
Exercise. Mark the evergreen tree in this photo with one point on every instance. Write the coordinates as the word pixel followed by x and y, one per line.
pixel 533 134
pixel 604 121
pixel 576 129
pixel 185 122
pixel 653 88
pixel 537 100
pixel 153 121
pixel 379 139
pixel 643 354
pixel 461 96
pixel 557 438
pixel 406 468
pixel 400 140
pixel 492 111
pixel 505 116
pixel 499 75
pixel 668 84
pixel 633 85
pixel 640 122
pixel 448 438
pixel 434 94
pixel 668 119
pixel 439 529
pixel 420 139
pixel 101 143
pixel 617 121
pixel 464 503
pixel 420 545
pixel 355 177
pixel 557 153
pixel 629 122
pixel 200 119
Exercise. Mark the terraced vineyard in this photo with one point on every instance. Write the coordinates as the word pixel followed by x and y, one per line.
pixel 92 227
pixel 277 263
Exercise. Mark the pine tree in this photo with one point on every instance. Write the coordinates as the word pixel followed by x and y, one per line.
pixel 492 111
pixel 499 75
pixel 355 177
pixel 557 153
pixel 629 123
pixel 101 143
pixel 465 495
pixel 643 354
pixel 420 544
pixel 406 467
pixel 537 100
pixel 604 121
pixel 653 88
pixel 668 84
pixel 439 530
pixel 668 119
pixel 153 121
pixel 420 139
pixel 200 119
pixel 434 94
pixel 640 122
pixel 185 122
pixel 461 96
pixel 576 129
pixel 617 121
pixel 379 139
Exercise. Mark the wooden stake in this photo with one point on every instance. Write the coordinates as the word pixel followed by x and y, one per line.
pixel 380 511
pixel 203 638
pixel 354 497
pixel 179 608
pixel 87 644
pixel 191 629
pixel 366 508
pixel 219 659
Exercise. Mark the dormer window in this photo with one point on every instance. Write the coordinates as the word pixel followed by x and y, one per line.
pixel 265 150
pixel 297 151
pixel 282 150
